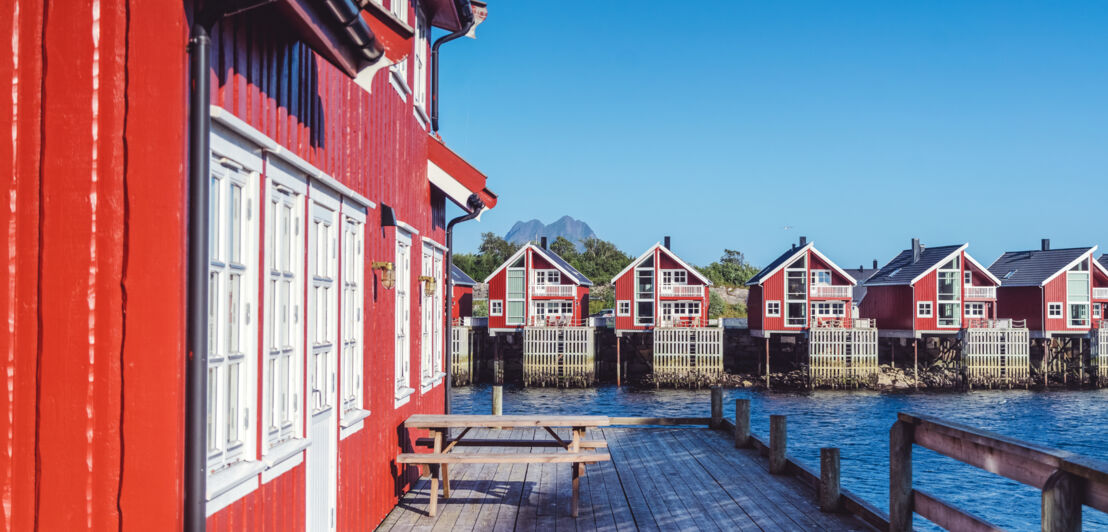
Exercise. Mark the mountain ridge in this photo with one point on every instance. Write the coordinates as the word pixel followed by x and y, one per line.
pixel 571 229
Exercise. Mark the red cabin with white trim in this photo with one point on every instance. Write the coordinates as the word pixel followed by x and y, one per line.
pixel 923 290
pixel 537 288
pixel 798 290
pixel 1057 291
pixel 658 289
pixel 461 291
pixel 322 338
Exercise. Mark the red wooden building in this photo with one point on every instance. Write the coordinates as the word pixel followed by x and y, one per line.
pixel 930 291
pixel 1058 291
pixel 798 290
pixel 534 288
pixel 315 239
pixel 461 290
pixel 658 289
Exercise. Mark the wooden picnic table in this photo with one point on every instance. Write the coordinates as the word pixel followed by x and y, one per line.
pixel 440 458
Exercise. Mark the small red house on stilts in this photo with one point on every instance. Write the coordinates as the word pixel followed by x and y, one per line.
pixel 461 290
pixel 224 293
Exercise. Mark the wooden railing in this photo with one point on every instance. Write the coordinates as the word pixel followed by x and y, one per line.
pixel 844 322
pixel 980 292
pixel 681 290
pixel 1067 480
pixel 843 291
pixel 681 321
pixel 985 323
pixel 553 290
pixel 556 321
pixel 1100 293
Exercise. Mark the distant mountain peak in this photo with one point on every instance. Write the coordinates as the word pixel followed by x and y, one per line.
pixel 571 229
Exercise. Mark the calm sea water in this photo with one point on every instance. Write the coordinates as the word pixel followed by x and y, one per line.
pixel 858 423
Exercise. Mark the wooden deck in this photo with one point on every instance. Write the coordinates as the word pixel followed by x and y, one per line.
pixel 683 478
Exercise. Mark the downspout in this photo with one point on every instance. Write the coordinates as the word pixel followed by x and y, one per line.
pixel 468 22
pixel 475 206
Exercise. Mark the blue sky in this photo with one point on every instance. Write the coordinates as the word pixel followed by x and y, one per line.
pixel 856 124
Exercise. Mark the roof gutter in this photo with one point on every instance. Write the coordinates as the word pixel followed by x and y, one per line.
pixel 465 12
pixel 349 17
pixel 475 206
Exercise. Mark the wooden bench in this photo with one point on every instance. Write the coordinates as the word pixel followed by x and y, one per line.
pixel 442 459
pixel 474 442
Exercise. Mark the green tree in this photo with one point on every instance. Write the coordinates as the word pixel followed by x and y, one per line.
pixel 601 260
pixel 564 248
pixel 731 269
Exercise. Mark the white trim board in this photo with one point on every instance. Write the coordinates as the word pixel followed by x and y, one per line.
pixel 515 256
pixel 434 244
pixel 937 264
pixel 672 255
pixel 812 246
pixel 982 268
pixel 267 144
pixel 1088 254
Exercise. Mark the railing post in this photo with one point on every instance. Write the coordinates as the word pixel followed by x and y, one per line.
pixel 1062 503
pixel 829 479
pixel 717 407
pixel 901 437
pixel 742 423
pixel 777 444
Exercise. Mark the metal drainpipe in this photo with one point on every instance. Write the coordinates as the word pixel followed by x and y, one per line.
pixel 435 71
pixel 475 205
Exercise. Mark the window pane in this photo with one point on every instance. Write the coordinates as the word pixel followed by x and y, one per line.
pixel 233 302
pixel 235 227
pixel 213 404
pixel 213 220
pixel 271 394
pixel 213 313
pixel 232 426
pixel 286 238
pixel 284 384
pixel 515 283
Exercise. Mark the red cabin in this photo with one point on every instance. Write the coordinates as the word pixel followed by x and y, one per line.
pixel 939 290
pixel 461 291
pixel 1058 291
pixel 658 289
pixel 535 287
pixel 320 195
pixel 800 289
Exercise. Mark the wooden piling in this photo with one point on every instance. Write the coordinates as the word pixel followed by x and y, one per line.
pixel 900 477
pixel 497 400
pixel 1062 495
pixel 829 489
pixel 618 363
pixel 767 362
pixel 915 361
pixel 717 407
pixel 742 423
pixel 777 443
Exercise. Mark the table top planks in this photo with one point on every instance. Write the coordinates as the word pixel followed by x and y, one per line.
pixel 434 421
pixel 658 479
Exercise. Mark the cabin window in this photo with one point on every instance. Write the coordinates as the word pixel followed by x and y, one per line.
pixel 773 309
pixel 623 308
pixel 949 294
pixel 399 9
pixel 1054 310
pixel 821 277
pixel 1010 274
pixel 232 325
pixel 496 307
pixel 403 312
pixel 1077 294
pixel 644 296
pixel 430 364
pixel 1096 311
pixel 796 296
pixel 824 309
pixel 516 296
pixel 924 309
pixel 353 299
pixel 678 277
pixel 545 277
pixel 284 354
pixel 967 278
pixel 419 66
pixel 679 312
pixel 975 310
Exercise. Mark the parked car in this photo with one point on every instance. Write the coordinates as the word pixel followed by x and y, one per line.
pixel 604 313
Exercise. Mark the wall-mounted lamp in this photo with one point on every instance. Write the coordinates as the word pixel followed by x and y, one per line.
pixel 428 283
pixel 388 276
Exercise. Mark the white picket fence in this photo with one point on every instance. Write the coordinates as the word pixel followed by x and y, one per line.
pixel 840 356
pixel 461 360
pixel 998 355
pixel 559 356
pixel 684 355
pixel 1100 354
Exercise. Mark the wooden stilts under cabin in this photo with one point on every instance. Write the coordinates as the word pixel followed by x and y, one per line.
pixel 1098 351
pixel 841 355
pixel 559 356
pixel 767 362
pixel 915 361
pixel 619 341
pixel 461 359
pixel 997 353
pixel 688 355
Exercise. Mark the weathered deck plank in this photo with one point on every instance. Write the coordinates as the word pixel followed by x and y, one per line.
pixel 659 479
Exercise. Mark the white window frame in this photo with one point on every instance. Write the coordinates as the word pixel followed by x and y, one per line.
pixel 353 317
pixel 967 278
pixel 644 297
pixel 283 351
pixel 419 66
pixel 797 272
pixel 1055 310
pixel 825 309
pixel 623 308
pixel 1096 311
pixel 1083 299
pixel 399 9
pixel 953 267
pixel 402 389
pixel 925 309
pixel 773 308
pixel 818 276
pixel 431 322
pixel 521 299
pixel 231 462
pixel 547 277
pixel 974 310
pixel 676 277
pixel 496 307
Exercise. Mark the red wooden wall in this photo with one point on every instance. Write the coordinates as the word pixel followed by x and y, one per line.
pixel 892 306
pixel 462 306
pixel 93 290
pixel 1021 303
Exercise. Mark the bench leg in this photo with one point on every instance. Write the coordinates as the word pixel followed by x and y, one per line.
pixel 431 508
pixel 445 481
pixel 576 489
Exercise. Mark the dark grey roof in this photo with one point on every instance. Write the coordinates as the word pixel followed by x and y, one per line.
pixel 760 276
pixel 459 278
pixel 1031 268
pixel 901 270
pixel 577 276
pixel 1103 260
pixel 861 275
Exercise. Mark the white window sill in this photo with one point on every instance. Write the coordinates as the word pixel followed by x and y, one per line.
pixel 352 421
pixel 232 484
pixel 421 115
pixel 400 85
pixel 403 396
pixel 429 384
pixel 283 457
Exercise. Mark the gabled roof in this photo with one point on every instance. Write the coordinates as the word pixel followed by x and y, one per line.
pixel 554 258
pixel 459 277
pixel 902 272
pixel 672 255
pixel 787 258
pixel 1103 260
pixel 1038 267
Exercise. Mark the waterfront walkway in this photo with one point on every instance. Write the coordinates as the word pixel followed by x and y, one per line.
pixel 681 478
